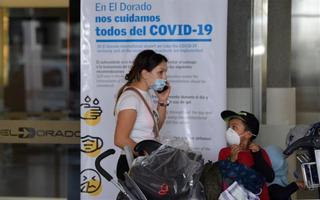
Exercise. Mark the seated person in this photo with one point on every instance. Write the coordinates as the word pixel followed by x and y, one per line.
pixel 280 189
pixel 243 128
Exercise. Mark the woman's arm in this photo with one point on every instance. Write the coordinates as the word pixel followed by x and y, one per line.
pixel 125 122
pixel 162 109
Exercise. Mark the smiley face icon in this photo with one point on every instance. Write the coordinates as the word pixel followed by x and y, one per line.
pixel 90 181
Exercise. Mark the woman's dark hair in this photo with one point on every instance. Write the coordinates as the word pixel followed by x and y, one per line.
pixel 146 59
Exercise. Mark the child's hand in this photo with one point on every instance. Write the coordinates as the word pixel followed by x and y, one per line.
pixel 254 147
pixel 235 149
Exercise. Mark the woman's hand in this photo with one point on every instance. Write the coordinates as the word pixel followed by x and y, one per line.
pixel 164 96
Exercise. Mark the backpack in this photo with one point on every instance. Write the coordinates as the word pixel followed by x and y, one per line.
pixel 211 180
pixel 245 176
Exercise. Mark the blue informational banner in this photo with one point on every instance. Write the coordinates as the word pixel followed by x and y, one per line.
pixel 191 34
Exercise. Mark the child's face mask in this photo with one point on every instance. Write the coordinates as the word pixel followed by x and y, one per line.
pixel 232 137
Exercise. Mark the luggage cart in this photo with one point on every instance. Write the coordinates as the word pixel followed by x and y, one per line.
pixel 166 173
pixel 310 157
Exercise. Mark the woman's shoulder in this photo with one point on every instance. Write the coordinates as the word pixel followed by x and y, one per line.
pixel 135 93
pixel 128 100
pixel 127 92
pixel 128 96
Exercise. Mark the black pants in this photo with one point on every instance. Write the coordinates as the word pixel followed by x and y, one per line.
pixel 122 167
pixel 278 192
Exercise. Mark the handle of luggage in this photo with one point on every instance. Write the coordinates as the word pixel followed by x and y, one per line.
pixel 100 169
pixel 128 187
pixel 105 174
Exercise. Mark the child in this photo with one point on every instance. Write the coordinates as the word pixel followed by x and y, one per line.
pixel 243 127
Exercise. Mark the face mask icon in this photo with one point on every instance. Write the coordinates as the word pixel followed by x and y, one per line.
pixel 90 144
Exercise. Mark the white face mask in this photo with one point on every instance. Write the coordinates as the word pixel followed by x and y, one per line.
pixel 232 137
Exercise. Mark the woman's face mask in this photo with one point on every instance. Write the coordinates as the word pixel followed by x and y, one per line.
pixel 232 137
pixel 158 85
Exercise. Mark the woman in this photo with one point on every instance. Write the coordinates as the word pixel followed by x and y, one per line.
pixel 137 118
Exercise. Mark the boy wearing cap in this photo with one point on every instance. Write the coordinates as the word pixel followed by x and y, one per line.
pixel 243 128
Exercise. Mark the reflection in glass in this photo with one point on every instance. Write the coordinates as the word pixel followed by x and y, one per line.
pixel 43 64
pixel 305 68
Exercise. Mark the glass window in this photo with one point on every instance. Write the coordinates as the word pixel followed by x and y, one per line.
pixel 40 170
pixel 39 87
pixel 38 71
pixel 305 68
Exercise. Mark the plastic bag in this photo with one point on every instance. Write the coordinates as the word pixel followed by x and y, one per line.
pixel 167 173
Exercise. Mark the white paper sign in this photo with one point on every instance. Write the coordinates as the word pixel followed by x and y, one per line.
pixel 191 34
